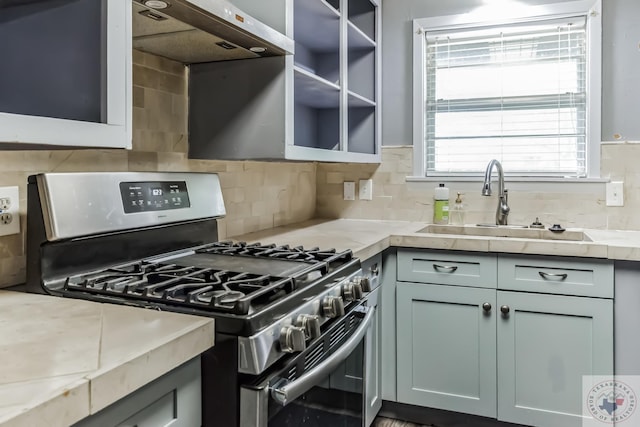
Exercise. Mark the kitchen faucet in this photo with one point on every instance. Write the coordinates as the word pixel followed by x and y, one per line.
pixel 503 209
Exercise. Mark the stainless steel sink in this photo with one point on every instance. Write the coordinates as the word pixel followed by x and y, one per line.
pixel 513 231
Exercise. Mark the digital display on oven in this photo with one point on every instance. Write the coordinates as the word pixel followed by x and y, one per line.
pixel 154 196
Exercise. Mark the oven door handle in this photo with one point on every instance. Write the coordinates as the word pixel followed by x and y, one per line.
pixel 291 391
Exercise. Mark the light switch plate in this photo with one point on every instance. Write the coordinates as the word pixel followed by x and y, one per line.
pixel 9 211
pixel 349 190
pixel 365 189
pixel 615 193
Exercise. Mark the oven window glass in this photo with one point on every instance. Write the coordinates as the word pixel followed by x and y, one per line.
pixel 336 401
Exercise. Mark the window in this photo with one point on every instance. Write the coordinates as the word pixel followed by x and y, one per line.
pixel 519 91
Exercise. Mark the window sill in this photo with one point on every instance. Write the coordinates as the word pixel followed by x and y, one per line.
pixel 533 184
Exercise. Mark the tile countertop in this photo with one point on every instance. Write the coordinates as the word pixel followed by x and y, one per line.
pixel 64 359
pixel 369 237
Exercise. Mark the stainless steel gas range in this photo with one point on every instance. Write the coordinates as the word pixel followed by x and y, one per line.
pixel 293 324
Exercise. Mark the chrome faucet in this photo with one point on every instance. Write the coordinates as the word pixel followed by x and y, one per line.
pixel 503 209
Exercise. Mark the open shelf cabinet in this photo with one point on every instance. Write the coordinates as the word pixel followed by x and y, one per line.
pixel 321 104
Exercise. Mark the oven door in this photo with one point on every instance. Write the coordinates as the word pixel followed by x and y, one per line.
pixel 321 386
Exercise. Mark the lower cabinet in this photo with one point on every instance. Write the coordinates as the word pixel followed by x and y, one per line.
pixel 546 343
pixel 447 348
pixel 175 400
pixel 516 356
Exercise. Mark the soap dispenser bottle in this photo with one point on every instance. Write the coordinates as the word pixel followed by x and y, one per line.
pixel 441 205
pixel 457 211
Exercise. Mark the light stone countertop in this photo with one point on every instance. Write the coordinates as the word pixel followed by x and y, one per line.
pixel 369 237
pixel 62 360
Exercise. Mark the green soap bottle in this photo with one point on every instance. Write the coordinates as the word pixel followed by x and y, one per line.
pixel 441 205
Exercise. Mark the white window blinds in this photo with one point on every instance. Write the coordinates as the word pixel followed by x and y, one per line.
pixel 515 93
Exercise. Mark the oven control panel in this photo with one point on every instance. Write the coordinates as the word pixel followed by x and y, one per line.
pixel 154 196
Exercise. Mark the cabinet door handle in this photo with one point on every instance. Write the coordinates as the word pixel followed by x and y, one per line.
pixel 486 307
pixel 553 276
pixel 445 268
pixel 505 309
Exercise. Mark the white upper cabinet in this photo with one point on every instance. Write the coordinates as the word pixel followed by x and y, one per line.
pixel 65 78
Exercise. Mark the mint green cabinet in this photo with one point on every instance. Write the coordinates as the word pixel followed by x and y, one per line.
pixel 447 347
pixel 502 336
pixel 556 275
pixel 447 268
pixel 546 343
pixel 174 399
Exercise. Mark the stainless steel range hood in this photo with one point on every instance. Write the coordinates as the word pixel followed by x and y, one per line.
pixel 203 31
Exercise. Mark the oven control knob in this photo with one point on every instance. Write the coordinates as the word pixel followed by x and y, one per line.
pixel 333 306
pixel 364 282
pixel 292 339
pixel 351 291
pixel 311 325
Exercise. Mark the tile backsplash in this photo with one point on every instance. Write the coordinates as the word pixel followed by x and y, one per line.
pixel 257 195
pixel 579 205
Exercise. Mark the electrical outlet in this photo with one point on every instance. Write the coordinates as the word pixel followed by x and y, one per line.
pixel 349 190
pixel 9 211
pixel 5 204
pixel 615 193
pixel 6 218
pixel 365 189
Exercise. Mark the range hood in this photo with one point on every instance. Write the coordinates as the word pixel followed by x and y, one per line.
pixel 203 31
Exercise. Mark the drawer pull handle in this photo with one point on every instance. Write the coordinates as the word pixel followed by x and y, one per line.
pixel 445 268
pixel 486 307
pixel 553 276
pixel 505 310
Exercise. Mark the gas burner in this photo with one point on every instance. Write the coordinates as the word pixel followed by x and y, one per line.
pixel 285 252
pixel 220 298
pixel 202 288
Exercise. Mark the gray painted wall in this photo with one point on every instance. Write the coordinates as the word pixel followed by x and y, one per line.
pixel 621 64
pixel 621 69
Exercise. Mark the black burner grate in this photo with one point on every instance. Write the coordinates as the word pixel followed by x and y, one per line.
pixel 245 286
pixel 297 253
pixel 203 288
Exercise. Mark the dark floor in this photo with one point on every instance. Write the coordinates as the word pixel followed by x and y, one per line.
pixel 388 422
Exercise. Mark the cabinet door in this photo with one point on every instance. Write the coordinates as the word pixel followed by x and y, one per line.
pixel 65 77
pixel 546 343
pixel 175 400
pixel 447 347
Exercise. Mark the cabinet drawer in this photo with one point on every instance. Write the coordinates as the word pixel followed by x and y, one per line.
pixel 553 275
pixel 463 269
